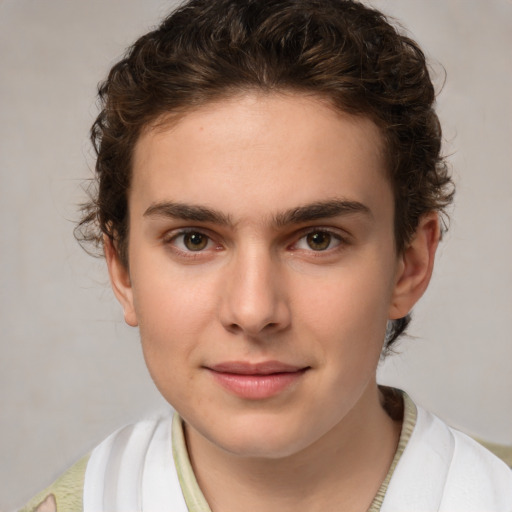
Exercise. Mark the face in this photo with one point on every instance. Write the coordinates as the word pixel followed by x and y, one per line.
pixel 262 268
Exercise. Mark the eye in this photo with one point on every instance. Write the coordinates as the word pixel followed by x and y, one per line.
pixel 191 241
pixel 319 240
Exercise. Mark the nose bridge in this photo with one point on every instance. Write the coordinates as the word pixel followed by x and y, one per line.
pixel 254 298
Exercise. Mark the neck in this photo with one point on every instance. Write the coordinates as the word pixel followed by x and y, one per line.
pixel 342 470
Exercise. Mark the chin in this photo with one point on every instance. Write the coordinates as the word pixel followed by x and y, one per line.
pixel 262 438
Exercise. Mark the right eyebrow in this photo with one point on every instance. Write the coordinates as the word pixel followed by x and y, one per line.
pixel 187 212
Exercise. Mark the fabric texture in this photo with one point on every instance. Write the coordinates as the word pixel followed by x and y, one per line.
pixel 64 495
pixel 409 415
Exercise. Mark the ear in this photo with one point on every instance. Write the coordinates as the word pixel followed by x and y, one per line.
pixel 120 281
pixel 415 266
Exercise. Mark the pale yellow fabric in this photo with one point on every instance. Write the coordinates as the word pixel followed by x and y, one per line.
pixel 64 495
pixel 194 498
pixel 408 424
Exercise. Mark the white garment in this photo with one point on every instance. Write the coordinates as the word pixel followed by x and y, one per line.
pixel 133 470
pixel 444 470
pixel 440 470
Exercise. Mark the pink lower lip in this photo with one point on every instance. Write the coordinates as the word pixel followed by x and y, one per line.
pixel 254 386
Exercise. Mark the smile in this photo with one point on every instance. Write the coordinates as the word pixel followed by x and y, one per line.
pixel 256 381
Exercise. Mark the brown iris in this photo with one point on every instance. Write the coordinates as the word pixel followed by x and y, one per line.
pixel 319 240
pixel 195 241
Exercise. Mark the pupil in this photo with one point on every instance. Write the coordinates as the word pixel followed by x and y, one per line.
pixel 195 241
pixel 319 241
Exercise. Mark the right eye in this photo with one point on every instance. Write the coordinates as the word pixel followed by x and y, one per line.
pixel 191 241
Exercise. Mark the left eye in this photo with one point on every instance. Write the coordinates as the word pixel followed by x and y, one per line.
pixel 318 241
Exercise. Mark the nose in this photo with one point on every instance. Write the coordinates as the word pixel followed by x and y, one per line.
pixel 254 299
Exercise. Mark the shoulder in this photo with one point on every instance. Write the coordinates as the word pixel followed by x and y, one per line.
pixel 445 470
pixel 463 453
pixel 476 477
pixel 135 465
pixel 115 463
pixel 72 491
pixel 64 495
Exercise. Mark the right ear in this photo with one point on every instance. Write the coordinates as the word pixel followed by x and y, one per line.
pixel 120 281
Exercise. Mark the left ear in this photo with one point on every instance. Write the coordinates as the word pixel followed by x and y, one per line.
pixel 415 266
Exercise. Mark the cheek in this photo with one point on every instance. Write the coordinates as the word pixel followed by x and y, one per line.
pixel 174 311
pixel 169 297
pixel 347 311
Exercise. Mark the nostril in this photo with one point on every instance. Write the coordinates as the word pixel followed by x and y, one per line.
pixel 251 330
pixel 234 328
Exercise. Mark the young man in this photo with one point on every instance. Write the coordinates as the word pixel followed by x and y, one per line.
pixel 270 188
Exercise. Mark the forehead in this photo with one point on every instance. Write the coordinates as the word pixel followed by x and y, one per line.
pixel 261 152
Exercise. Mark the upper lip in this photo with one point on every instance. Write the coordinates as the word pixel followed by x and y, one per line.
pixel 263 368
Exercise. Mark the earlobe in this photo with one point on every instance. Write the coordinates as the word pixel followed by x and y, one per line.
pixel 120 281
pixel 415 266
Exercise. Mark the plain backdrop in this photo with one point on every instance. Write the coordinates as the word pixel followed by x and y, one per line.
pixel 70 370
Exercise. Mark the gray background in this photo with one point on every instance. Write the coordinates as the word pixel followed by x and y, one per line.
pixel 71 371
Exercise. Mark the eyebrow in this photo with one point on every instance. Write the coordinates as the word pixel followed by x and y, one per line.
pixel 320 210
pixel 189 212
pixel 299 215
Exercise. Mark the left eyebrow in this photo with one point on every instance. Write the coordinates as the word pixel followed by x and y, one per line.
pixel 321 210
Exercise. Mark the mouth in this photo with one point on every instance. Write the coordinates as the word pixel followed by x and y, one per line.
pixel 256 381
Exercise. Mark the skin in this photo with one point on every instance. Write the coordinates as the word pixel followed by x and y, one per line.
pixel 288 256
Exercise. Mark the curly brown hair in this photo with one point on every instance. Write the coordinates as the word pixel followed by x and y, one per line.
pixel 208 50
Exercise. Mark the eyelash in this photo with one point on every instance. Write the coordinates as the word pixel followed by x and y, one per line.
pixel 334 236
